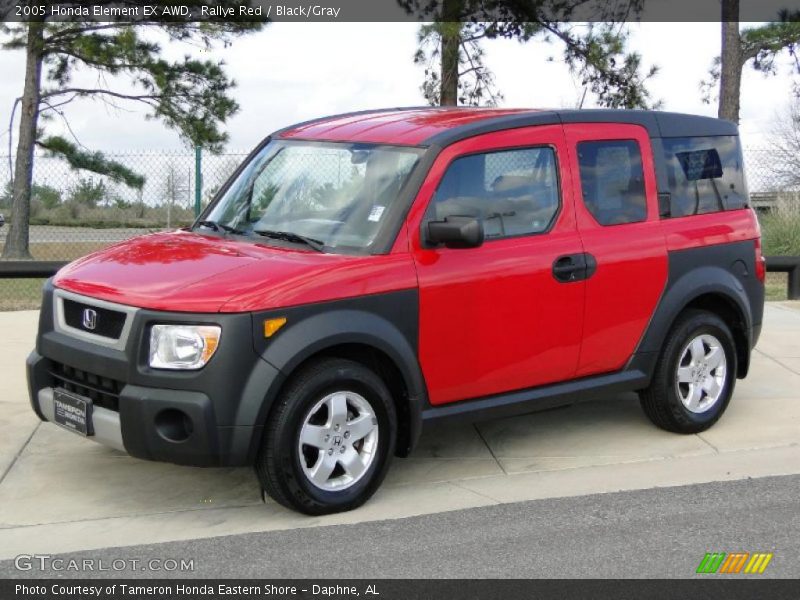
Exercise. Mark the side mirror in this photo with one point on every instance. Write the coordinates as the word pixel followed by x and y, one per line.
pixel 456 232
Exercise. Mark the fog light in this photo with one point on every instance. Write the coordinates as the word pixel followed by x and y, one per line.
pixel 174 425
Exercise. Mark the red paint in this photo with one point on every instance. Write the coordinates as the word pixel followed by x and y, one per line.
pixel 631 262
pixel 683 233
pixel 399 127
pixel 493 318
pixel 187 272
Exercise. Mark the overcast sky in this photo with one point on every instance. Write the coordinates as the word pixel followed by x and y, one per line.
pixel 290 72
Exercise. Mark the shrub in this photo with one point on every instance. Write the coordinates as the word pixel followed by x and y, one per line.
pixel 88 192
pixel 48 196
pixel 36 207
pixel 780 230
pixel 6 196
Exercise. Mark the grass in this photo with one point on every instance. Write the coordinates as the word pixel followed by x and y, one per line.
pixel 780 236
pixel 65 250
pixel 25 294
pixel 20 294
pixel 780 231
pixel 776 286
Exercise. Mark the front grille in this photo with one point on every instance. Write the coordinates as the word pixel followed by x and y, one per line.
pixel 102 391
pixel 106 322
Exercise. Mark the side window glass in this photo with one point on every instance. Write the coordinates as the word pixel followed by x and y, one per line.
pixel 513 192
pixel 612 181
pixel 705 174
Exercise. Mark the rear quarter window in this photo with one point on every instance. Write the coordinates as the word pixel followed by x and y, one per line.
pixel 705 174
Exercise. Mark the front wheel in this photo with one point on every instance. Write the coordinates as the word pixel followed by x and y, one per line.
pixel 329 440
pixel 695 375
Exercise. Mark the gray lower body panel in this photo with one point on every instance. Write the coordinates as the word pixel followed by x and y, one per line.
pixel 107 428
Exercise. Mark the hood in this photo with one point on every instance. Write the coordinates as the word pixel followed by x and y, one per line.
pixel 184 271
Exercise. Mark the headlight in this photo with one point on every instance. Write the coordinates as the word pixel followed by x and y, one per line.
pixel 182 346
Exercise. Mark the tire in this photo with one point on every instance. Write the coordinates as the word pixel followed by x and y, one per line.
pixel 692 399
pixel 343 470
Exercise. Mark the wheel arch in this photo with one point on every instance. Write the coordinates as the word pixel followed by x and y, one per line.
pixel 708 288
pixel 361 336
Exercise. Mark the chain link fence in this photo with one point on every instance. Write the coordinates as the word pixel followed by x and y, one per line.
pixel 76 212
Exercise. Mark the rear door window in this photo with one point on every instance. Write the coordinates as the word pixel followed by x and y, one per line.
pixel 612 181
pixel 705 174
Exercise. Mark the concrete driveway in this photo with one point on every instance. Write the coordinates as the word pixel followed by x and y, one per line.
pixel 60 493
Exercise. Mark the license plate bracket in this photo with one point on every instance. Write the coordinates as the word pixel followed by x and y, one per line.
pixel 72 412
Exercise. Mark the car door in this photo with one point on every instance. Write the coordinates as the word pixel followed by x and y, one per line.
pixel 616 209
pixel 495 318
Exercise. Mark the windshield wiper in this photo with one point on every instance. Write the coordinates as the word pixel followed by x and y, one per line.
pixel 217 226
pixel 295 238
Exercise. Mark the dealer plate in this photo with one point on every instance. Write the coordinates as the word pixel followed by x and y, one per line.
pixel 72 412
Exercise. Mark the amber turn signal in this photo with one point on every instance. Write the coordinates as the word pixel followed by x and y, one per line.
pixel 271 326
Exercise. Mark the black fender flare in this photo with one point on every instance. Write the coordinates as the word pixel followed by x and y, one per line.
pixel 681 293
pixel 319 331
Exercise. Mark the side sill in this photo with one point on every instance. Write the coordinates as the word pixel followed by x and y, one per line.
pixel 539 398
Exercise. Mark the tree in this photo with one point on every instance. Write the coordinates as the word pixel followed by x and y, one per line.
pixel 451 52
pixel 760 46
pixel 49 196
pixel 6 196
pixel 88 193
pixel 176 187
pixel 191 96
pixel 785 148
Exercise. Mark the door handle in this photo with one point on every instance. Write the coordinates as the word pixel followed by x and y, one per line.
pixel 574 267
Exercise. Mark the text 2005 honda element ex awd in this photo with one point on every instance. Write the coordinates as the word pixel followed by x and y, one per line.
pixel 363 275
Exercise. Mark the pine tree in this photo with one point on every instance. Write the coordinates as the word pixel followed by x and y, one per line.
pixel 759 46
pixel 189 95
pixel 450 47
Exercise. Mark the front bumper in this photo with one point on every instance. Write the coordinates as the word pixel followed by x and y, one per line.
pixel 107 430
pixel 210 417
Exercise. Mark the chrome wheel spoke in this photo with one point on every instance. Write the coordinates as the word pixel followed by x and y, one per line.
pixel 695 395
pixel 361 427
pixel 698 350
pixel 314 435
pixel 715 357
pixel 352 463
pixel 321 471
pixel 712 387
pixel 338 408
pixel 685 375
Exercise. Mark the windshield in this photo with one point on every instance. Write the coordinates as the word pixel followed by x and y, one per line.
pixel 335 195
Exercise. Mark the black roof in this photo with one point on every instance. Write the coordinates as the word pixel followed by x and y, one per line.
pixel 659 124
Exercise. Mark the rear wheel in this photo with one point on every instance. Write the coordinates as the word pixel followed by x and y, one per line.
pixel 329 440
pixel 695 375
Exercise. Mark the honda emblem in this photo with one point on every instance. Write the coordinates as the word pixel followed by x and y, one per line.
pixel 89 318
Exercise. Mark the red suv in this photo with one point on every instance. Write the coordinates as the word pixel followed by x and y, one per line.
pixel 363 275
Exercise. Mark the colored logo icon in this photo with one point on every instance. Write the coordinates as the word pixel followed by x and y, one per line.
pixel 735 563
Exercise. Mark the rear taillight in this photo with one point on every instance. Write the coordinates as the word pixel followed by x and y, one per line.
pixel 761 262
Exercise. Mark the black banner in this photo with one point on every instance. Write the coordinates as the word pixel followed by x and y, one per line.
pixel 398 589
pixel 126 11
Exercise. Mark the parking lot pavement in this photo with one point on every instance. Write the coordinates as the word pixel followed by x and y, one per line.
pixel 60 493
